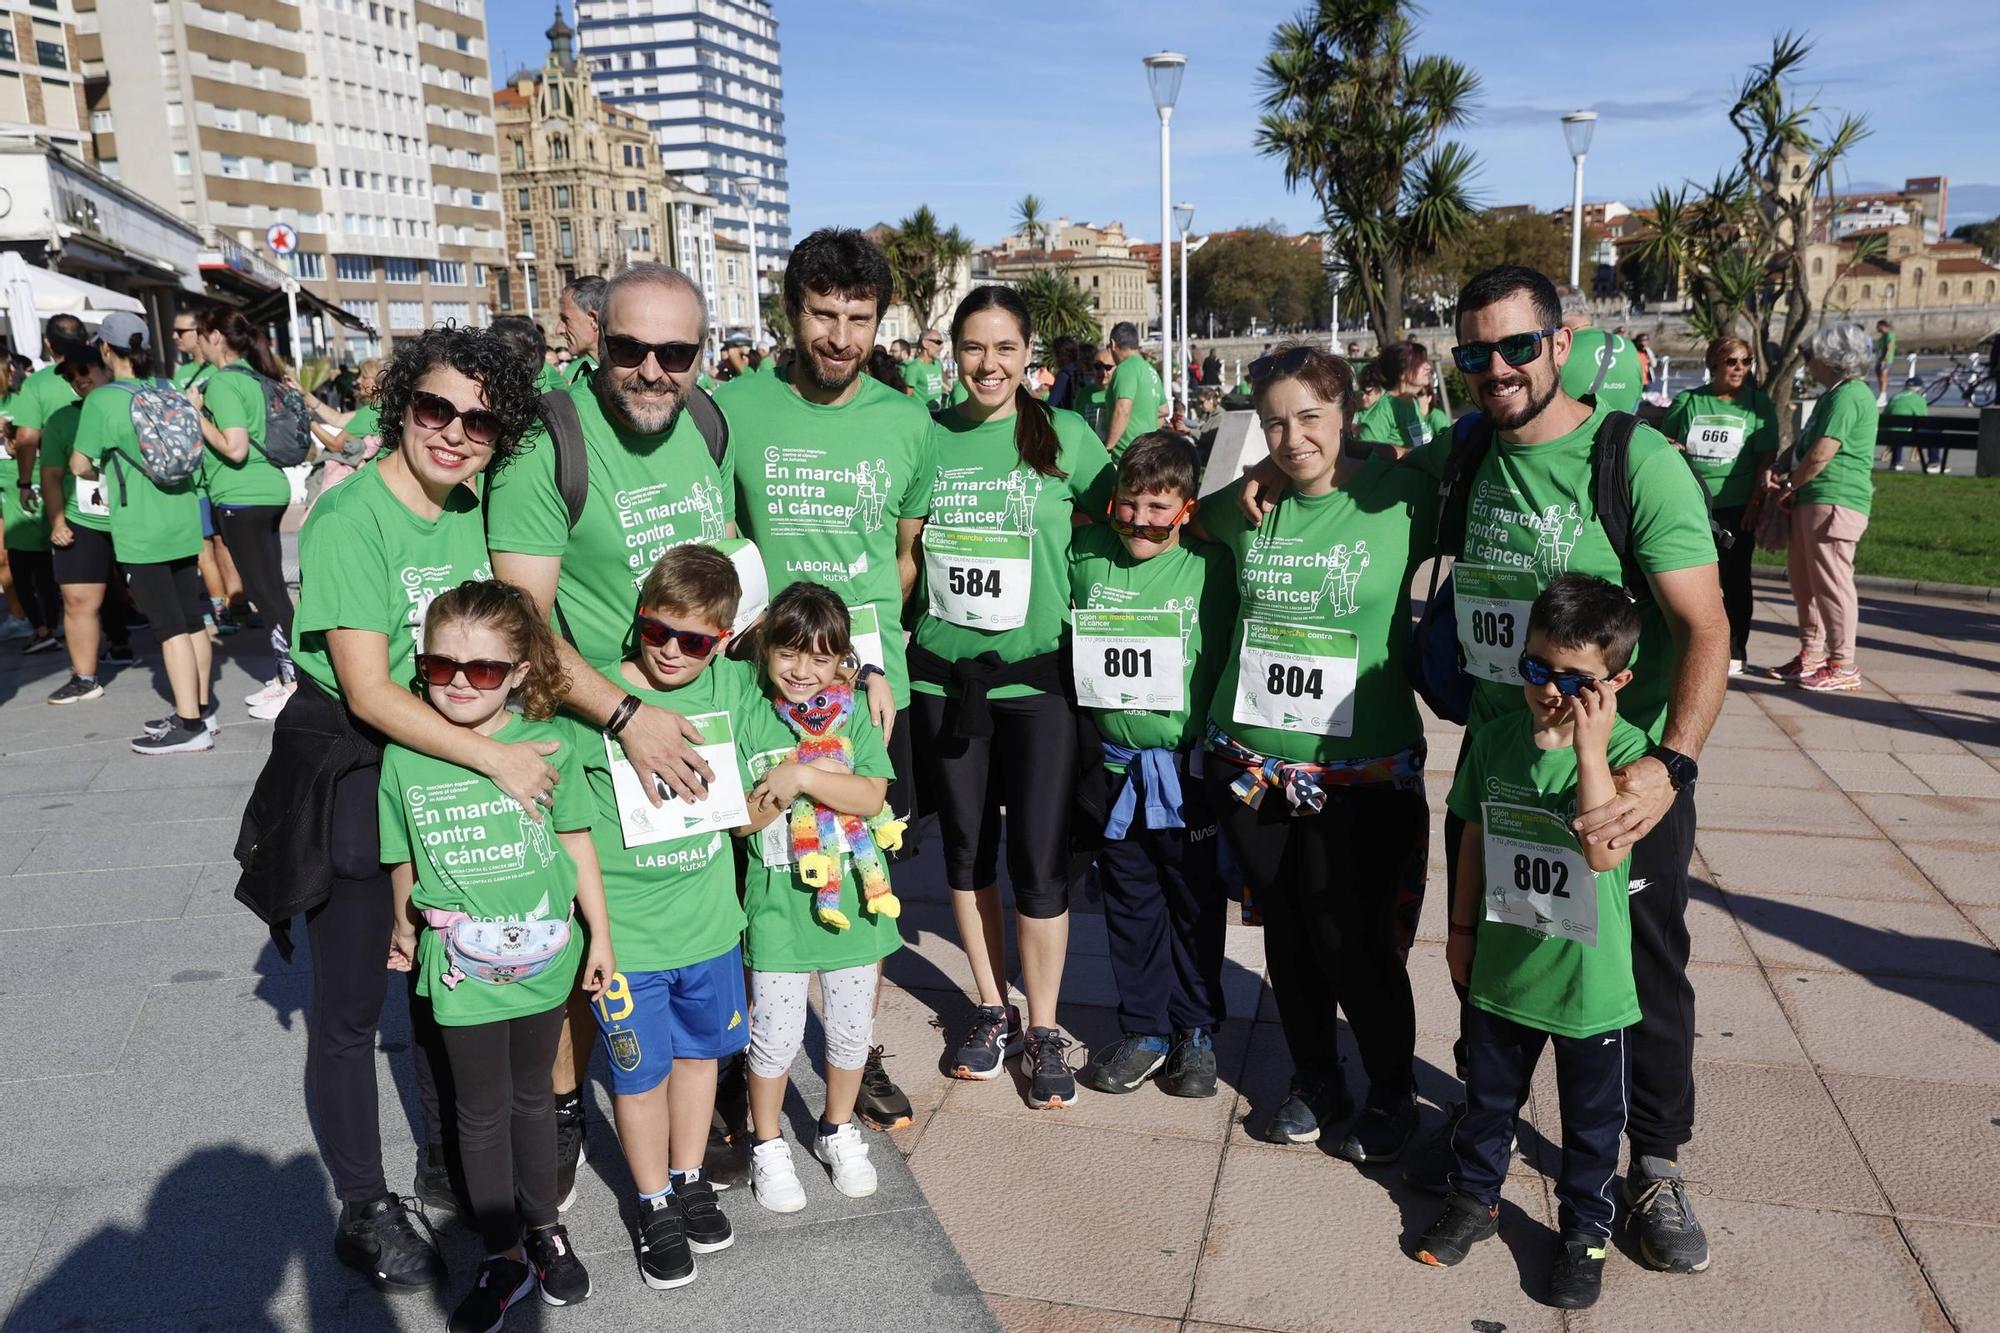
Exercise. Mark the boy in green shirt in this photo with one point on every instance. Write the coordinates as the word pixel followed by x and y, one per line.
pixel 1143 601
pixel 1541 934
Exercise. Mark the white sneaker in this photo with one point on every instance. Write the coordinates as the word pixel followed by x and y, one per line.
pixel 268 708
pixel 270 690
pixel 1735 666
pixel 774 1180
pixel 847 1153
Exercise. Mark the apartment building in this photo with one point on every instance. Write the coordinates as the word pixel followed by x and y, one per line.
pixel 41 92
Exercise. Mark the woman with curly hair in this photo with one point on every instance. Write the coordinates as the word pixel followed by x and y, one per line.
pixel 374 554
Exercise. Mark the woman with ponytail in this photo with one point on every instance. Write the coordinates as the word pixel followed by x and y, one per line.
pixel 1013 477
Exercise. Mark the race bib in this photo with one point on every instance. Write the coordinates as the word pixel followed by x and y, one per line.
pixel 978 577
pixel 723 808
pixel 749 562
pixel 1536 877
pixel 1129 659
pixel 1297 678
pixel 91 499
pixel 1715 439
pixel 1493 618
pixel 774 840
pixel 865 629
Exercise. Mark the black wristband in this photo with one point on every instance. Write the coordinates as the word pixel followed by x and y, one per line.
pixel 621 715
pixel 867 669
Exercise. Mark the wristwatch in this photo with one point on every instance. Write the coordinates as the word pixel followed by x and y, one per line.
pixel 1681 770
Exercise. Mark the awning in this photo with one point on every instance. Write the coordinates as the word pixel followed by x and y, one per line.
pixel 271 309
pixel 32 295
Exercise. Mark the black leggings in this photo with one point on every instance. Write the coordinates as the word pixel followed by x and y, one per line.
pixel 506 1122
pixel 1733 566
pixel 35 584
pixel 251 534
pixel 1027 765
pixel 1340 892
pixel 170 596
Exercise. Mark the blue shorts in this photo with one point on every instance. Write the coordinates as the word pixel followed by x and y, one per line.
pixel 207 518
pixel 697 1012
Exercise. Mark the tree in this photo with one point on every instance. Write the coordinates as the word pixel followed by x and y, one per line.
pixel 923 262
pixel 1059 307
pixel 777 322
pixel 1356 116
pixel 1539 241
pixel 1256 274
pixel 1985 235
pixel 1028 220
pixel 1738 248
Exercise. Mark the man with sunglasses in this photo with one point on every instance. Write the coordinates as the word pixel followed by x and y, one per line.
pixel 923 377
pixel 1093 389
pixel 1602 368
pixel 1135 398
pixel 1537 472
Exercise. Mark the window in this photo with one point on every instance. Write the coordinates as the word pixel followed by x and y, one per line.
pixel 455 312
pixel 301 175
pixel 506 289
pixel 308 264
pixel 449 271
pixel 520 155
pixel 406 314
pixel 227 119
pixel 521 199
pixel 354 268
pixel 7 50
pixel 232 166
pixel 562 196
pixel 559 148
pixel 566 243
pixel 1819 266
pixel 1944 289
pixel 528 237
pixel 100 122
pixel 401 270
pixel 50 54
pixel 1967 289
pixel 1867 290
pixel 479 275
pixel 182 165
pixel 642 198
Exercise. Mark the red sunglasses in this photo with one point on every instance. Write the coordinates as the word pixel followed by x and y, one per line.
pixel 693 642
pixel 1151 532
pixel 481 674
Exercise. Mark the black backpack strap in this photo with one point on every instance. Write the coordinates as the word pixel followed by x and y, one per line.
pixel 1471 438
pixel 572 464
pixel 1611 493
pixel 708 419
pixel 1607 352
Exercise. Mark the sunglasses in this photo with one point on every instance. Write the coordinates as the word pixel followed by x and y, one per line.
pixel 1102 368
pixel 1286 362
pixel 435 413
pixel 694 643
pixel 629 353
pixel 483 674
pixel 1736 361
pixel 1568 684
pixel 1516 349
pixel 1151 532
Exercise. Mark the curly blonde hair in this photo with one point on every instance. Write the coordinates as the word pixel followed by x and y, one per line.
pixel 507 610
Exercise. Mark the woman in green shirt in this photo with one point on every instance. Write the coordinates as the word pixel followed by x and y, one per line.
pixel 346 439
pixel 1829 489
pixel 988 699
pixel 1397 418
pixel 80 535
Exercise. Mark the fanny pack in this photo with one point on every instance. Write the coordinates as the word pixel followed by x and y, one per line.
pixel 498 952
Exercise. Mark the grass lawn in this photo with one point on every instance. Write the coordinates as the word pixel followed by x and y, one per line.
pixel 1938 529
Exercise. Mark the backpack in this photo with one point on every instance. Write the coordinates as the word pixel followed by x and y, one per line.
pixel 169 431
pixel 573 463
pixel 287 421
pixel 1435 664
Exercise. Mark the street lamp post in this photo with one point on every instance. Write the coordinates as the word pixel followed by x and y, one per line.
pixel 1184 223
pixel 1163 76
pixel 748 188
pixel 526 258
pixel 1577 127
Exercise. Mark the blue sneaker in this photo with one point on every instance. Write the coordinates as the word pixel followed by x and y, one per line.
pixel 1314 1105
pixel 1129 1062
pixel 1190 1067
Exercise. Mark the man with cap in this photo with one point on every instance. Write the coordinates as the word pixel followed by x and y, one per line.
pixel 735 357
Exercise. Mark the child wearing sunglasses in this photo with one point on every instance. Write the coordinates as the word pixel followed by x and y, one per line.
pixel 1151 621
pixel 486 894
pixel 677 1004
pixel 1541 934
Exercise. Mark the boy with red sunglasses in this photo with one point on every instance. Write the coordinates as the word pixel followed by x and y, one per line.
pixel 676 1006
pixel 1144 601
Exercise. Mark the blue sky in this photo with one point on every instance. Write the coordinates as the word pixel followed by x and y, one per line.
pixel 891 105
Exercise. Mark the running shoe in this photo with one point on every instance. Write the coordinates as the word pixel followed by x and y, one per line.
pixel 1795 670
pixel 13 627
pixel 1735 666
pixel 120 655
pixel 1578 1275
pixel 665 1260
pixel 702 1218
pixel 437 1191
pixel 995 1036
pixel 45 643
pixel 175 740
pixel 558 1272
pixel 77 691
pixel 1387 1123
pixel 268 710
pixel 774 1181
pixel 1190 1067
pixel 1313 1105
pixel 1831 679
pixel 1045 1060
pixel 1127 1064
pixel 1464 1222
pixel 1669 1235
pixel 270 690
pixel 501 1282
pixel 569 1148
pixel 845 1155
pixel 380 1240
pixel 160 726
pixel 882 1104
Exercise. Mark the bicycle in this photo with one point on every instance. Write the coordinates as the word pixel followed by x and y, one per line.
pixel 1974 382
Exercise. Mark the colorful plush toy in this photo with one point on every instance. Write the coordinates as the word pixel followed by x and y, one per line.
pixel 821 834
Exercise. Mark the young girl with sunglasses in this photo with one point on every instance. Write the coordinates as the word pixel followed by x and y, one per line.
pixel 486 897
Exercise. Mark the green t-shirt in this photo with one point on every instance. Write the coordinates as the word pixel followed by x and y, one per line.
pixel 1546 981
pixel 672 903
pixel 959 393
pixel 1885 347
pixel 1439 421
pixel 1846 413
pixel 926 380
pixel 821 490
pixel 1193 587
pixel 781 934
pixel 997 547
pixel 550 379
pixel 1530 517
pixel 474 850
pixel 647 493
pixel 1724 438
pixel 24 531
pixel 235 397
pixel 38 397
pixel 190 373
pixel 1137 379
pixel 1908 403
pixel 367 562
pixel 581 368
pixel 366 421
pixel 58 443
pixel 149 524
pixel 1093 403
pixel 1324 590
pixel 1620 386
pixel 1394 420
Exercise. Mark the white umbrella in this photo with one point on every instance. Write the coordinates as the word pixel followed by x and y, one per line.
pixel 30 295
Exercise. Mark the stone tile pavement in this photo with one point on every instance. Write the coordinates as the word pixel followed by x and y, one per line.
pixel 160 1172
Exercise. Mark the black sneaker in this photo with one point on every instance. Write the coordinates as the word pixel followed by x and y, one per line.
pixel 77 691
pixel 1578 1275
pixel 1669 1236
pixel 1464 1222
pixel 119 655
pixel 160 726
pixel 995 1035
pixel 380 1240
pixel 731 1118
pixel 1385 1128
pixel 177 739
pixel 48 643
pixel 1190 1067
pixel 1312 1106
pixel 702 1218
pixel 437 1191
pixel 1430 1166
pixel 1045 1060
pixel 882 1104
pixel 560 1274
pixel 1127 1064
pixel 569 1148
pixel 665 1260
pixel 501 1282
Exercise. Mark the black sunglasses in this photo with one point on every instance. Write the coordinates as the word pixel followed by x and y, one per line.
pixel 1103 369
pixel 1287 362
pixel 481 674
pixel 629 353
pixel 1516 349
pixel 1568 684
pixel 435 413
pixel 694 642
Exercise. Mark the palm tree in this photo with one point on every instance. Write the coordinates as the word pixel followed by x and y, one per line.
pixel 1357 116
pixel 1028 220
pixel 923 261
pixel 1059 307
